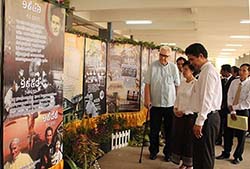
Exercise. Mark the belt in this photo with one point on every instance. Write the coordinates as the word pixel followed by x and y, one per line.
pixel 215 111
pixel 212 112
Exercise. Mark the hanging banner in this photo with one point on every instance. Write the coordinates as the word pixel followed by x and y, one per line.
pixel 95 78
pixel 144 68
pixel 73 76
pixel 123 78
pixel 33 84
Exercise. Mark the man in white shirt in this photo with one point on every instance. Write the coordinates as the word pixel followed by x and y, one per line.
pixel 161 82
pixel 238 102
pixel 206 100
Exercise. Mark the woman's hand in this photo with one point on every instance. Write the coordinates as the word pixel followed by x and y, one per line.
pixel 178 113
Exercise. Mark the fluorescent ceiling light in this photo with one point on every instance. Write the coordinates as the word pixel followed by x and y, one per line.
pixel 234 45
pixel 245 21
pixel 225 53
pixel 228 50
pixel 240 36
pixel 223 56
pixel 138 22
pixel 169 44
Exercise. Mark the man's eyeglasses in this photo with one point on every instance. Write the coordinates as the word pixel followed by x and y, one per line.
pixel 164 55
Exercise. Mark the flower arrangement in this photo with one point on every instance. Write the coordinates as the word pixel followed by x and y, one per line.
pixel 83 145
pixel 136 138
pixel 105 126
pixel 61 3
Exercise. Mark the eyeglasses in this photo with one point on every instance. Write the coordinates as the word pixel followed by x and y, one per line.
pixel 164 55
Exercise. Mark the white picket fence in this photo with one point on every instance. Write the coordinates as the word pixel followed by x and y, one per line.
pixel 120 139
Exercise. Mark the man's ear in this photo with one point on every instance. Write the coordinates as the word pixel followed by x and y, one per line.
pixel 201 56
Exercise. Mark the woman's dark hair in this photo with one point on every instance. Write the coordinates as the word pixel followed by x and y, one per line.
pixel 236 70
pixel 191 67
pixel 196 49
pixel 181 58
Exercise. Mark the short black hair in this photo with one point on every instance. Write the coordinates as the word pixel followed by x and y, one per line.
pixel 190 66
pixel 181 58
pixel 196 49
pixel 226 67
pixel 48 129
pixel 236 69
pixel 246 64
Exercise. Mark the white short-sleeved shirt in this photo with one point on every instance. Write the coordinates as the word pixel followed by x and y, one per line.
pixel 162 80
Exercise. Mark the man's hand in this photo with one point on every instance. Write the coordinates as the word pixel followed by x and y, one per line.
pixel 148 105
pixel 233 117
pixel 197 131
pixel 230 108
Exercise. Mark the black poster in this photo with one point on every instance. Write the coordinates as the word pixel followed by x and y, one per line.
pixel 95 78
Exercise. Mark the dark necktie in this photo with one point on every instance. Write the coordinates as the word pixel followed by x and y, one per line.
pixel 225 81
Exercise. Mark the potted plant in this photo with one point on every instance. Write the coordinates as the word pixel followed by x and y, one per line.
pixel 80 149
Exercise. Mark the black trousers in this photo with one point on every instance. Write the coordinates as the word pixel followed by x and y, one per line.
pixel 223 118
pixel 182 146
pixel 157 114
pixel 240 134
pixel 204 148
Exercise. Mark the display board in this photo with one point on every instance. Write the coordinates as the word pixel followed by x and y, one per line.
pixel 33 84
pixel 1 78
pixel 95 78
pixel 123 78
pixel 154 55
pixel 73 75
pixel 144 68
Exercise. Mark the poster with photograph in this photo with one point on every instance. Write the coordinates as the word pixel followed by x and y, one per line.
pixel 123 78
pixel 144 68
pixel 73 76
pixel 1 80
pixel 95 78
pixel 33 84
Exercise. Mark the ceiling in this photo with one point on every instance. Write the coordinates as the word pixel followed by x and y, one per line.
pixel 174 21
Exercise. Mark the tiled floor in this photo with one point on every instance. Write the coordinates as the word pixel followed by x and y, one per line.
pixel 128 158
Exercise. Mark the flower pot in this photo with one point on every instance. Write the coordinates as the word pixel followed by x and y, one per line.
pixel 106 147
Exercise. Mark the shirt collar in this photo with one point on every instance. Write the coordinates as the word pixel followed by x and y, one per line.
pixel 17 156
pixel 244 82
pixel 205 65
pixel 162 64
pixel 228 77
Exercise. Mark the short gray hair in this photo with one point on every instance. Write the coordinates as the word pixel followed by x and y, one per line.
pixel 14 140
